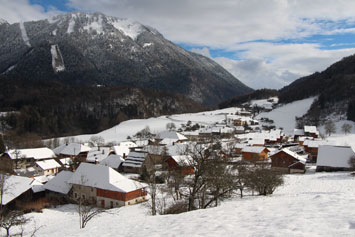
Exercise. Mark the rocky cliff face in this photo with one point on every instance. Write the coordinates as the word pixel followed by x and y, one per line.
pixel 94 49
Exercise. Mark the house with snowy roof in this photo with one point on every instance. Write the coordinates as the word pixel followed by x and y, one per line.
pixel 180 163
pixel 254 154
pixel 105 187
pixel 59 187
pixel 134 162
pixel 72 150
pixel 288 161
pixel 17 190
pixel 171 135
pixel 97 154
pixel 334 158
pixel 123 148
pixel 23 158
pixel 311 131
pixel 114 161
pixel 311 147
pixel 47 167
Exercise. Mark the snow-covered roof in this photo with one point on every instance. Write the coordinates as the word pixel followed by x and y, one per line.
pixel 123 148
pixel 315 143
pixel 98 154
pixel 334 156
pixel 48 164
pixel 103 177
pixel 168 141
pixel 36 153
pixel 171 135
pixel 141 143
pixel 14 186
pixel 182 159
pixel 302 159
pixel 298 132
pixel 190 133
pixel 37 186
pixel 135 159
pixel 60 183
pixel 257 141
pixel 254 149
pixel 113 161
pixel 311 129
pixel 71 149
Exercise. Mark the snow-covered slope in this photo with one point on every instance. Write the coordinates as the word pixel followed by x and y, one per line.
pixel 319 204
pixel 156 125
pixel 285 116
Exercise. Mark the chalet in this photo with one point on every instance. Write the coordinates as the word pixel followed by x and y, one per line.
pixel 75 151
pixel 239 147
pixel 59 187
pixel 239 122
pixel 287 161
pixel 123 148
pixel 311 147
pixel 180 163
pixel 301 140
pixel 171 137
pixel 191 135
pixel 254 154
pixel 47 167
pixel 334 158
pixel 97 154
pixel 105 187
pixel 113 161
pixel 297 133
pixel 18 190
pixel 23 158
pixel 134 162
pixel 311 131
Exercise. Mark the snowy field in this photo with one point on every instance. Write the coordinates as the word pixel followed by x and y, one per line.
pixel 129 128
pixel 320 204
pixel 284 116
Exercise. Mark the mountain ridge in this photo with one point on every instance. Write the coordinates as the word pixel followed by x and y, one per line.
pixel 98 49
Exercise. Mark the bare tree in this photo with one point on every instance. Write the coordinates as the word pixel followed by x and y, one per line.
pixel 346 128
pixel 265 181
pixel 329 127
pixel 97 141
pixel 87 208
pixel 171 126
pixel 10 219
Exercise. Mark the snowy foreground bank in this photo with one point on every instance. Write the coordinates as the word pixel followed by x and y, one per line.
pixel 320 204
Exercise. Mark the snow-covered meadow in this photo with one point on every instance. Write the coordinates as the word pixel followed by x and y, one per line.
pixel 320 204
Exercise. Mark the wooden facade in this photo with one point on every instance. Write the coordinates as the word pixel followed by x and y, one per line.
pixel 254 157
pixel 174 166
pixel 286 163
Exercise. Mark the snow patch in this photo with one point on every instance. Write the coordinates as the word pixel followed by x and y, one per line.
pixel 71 26
pixel 54 32
pixel 95 25
pixel 147 45
pixel 57 59
pixel 127 27
pixel 24 34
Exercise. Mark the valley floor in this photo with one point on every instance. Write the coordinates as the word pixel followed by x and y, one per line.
pixel 314 204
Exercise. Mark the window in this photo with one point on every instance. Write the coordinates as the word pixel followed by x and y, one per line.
pixel 92 189
pixel 75 195
pixel 83 196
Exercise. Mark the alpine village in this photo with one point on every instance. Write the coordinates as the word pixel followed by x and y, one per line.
pixel 109 129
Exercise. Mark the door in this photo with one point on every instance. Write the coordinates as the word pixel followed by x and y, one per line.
pixel 103 203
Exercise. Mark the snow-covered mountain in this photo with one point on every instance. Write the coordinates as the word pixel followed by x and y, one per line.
pixel 97 49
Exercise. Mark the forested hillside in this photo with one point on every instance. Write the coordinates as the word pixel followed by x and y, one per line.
pixel 52 108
